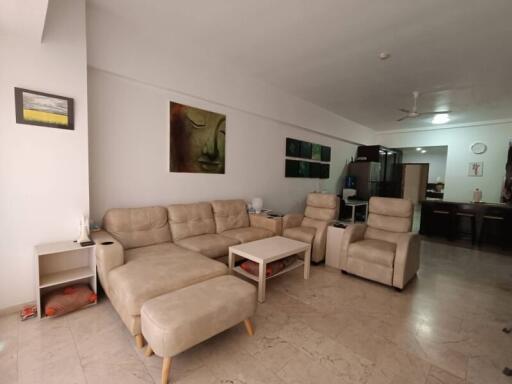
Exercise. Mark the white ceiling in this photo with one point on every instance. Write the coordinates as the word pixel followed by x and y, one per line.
pixel 439 150
pixel 23 18
pixel 457 53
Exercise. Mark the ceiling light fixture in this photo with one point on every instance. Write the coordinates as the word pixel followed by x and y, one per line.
pixel 419 149
pixel 423 151
pixel 384 55
pixel 442 118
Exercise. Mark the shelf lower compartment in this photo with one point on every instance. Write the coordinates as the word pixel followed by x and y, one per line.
pixel 289 268
pixel 66 276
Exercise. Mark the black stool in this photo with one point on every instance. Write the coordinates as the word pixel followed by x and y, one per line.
pixel 441 220
pixel 465 217
pixel 494 218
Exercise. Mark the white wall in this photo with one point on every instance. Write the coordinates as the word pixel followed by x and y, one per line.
pixel 43 171
pixel 436 160
pixel 459 185
pixel 116 45
pixel 129 152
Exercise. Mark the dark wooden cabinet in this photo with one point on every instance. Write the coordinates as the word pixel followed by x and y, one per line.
pixel 377 171
pixel 479 222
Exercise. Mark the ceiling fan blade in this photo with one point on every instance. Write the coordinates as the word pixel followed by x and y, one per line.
pixel 434 112
pixel 404 110
pixel 403 118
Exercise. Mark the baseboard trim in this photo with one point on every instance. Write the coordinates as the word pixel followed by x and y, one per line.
pixel 14 309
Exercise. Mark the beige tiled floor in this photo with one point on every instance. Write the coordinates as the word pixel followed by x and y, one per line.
pixel 444 329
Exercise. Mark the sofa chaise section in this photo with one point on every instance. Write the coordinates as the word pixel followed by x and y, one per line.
pixel 141 262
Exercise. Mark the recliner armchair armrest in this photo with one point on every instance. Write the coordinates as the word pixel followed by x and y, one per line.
pixel 292 220
pixel 407 259
pixel 274 224
pixel 353 233
pixel 108 256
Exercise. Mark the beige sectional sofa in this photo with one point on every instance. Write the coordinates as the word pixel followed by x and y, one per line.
pixel 156 250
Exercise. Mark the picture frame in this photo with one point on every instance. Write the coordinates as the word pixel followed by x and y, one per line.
pixel 291 168
pixel 315 170
pixel 197 140
pixel 304 169
pixel 306 150
pixel 316 152
pixel 324 171
pixel 325 153
pixel 292 147
pixel 476 169
pixel 44 109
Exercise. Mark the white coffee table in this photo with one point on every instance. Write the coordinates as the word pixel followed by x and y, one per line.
pixel 266 251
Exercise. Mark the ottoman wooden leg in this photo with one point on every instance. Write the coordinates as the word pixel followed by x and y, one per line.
pixel 148 352
pixel 249 327
pixel 166 370
pixel 139 341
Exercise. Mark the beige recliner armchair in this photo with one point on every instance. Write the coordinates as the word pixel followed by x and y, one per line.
pixel 311 227
pixel 384 249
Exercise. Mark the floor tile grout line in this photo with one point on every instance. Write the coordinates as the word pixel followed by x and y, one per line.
pixel 77 351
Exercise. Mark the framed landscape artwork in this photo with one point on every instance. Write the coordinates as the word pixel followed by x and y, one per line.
pixel 197 140
pixel 43 109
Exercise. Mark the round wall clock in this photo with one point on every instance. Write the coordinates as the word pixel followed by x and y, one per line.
pixel 478 148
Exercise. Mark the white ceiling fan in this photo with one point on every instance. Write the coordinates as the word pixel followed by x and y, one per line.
pixel 414 113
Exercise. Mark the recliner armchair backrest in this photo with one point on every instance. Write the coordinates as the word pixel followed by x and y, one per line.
pixel 390 214
pixel 321 206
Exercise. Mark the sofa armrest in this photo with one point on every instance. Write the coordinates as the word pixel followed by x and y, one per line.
pixel 353 233
pixel 407 259
pixel 292 220
pixel 108 256
pixel 274 224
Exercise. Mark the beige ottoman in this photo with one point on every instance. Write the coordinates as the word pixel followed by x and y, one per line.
pixel 178 320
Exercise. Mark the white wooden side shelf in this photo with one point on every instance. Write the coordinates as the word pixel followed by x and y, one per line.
pixel 61 264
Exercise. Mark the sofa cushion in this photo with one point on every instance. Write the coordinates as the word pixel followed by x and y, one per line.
pixel 244 235
pixel 163 269
pixel 138 227
pixel 187 220
pixel 230 214
pixel 211 245
pixel 372 271
pixel 150 250
pixel 305 234
pixel 389 223
pixel 388 206
pixel 373 251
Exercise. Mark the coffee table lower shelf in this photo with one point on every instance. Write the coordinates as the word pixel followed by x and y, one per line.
pixel 296 264
pixel 264 252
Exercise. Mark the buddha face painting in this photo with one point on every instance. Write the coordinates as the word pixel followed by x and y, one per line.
pixel 198 140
